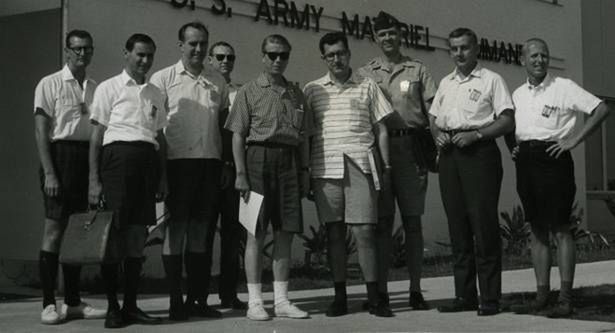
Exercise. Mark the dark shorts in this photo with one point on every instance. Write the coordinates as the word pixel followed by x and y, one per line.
pixel 130 175
pixel 408 181
pixel 272 172
pixel 70 162
pixel 545 184
pixel 194 186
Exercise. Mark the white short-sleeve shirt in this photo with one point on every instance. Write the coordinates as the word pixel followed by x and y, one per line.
pixel 67 104
pixel 130 111
pixel 194 104
pixel 472 102
pixel 550 110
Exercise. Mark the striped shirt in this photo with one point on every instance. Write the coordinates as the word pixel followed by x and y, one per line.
pixel 262 112
pixel 343 121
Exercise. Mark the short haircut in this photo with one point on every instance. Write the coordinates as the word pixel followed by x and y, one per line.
pixel 220 43
pixel 194 24
pixel 275 39
pixel 79 34
pixel 138 38
pixel 332 38
pixel 463 32
pixel 532 40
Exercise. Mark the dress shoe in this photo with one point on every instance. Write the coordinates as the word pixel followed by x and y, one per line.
pixel 234 304
pixel 202 310
pixel 417 302
pixel 489 309
pixel 138 316
pixel 384 297
pixel 337 308
pixel 561 310
pixel 177 311
pixel 381 310
pixel 114 319
pixel 458 305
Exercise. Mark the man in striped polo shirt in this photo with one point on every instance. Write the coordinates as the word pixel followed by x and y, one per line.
pixel 347 110
pixel 267 116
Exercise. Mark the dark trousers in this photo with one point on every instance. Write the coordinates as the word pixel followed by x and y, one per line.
pixel 470 180
pixel 231 234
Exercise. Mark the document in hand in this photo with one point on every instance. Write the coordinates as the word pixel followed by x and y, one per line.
pixel 249 211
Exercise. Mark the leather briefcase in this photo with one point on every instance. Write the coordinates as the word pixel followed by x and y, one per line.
pixel 86 237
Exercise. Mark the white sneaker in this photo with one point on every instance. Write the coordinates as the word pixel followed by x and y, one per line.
pixel 256 311
pixel 50 316
pixel 85 311
pixel 289 310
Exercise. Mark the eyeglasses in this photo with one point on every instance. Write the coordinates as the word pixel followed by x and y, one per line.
pixel 82 49
pixel 274 55
pixel 220 57
pixel 332 55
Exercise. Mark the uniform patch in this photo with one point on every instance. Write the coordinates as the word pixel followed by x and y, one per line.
pixel 404 85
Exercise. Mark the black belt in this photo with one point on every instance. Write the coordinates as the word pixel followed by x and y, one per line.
pixel 131 144
pixel 402 132
pixel 272 145
pixel 71 143
pixel 456 131
pixel 536 144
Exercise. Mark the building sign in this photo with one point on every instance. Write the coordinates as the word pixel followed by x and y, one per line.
pixel 307 17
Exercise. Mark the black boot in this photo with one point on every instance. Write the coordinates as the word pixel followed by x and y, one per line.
pixel 109 273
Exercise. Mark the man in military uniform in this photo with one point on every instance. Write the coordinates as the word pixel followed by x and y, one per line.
pixel 408 86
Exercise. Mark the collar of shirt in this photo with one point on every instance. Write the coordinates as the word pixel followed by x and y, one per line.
pixel 67 75
pixel 354 78
pixel 542 86
pixel 201 78
pixel 476 72
pixel 381 63
pixel 263 82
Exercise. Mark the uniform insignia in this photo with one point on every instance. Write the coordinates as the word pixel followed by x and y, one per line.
pixel 404 85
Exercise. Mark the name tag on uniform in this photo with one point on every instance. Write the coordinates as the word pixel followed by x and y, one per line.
pixel 548 110
pixel 354 104
pixel 404 85
pixel 474 95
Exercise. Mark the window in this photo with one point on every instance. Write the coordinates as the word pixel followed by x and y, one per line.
pixel 600 159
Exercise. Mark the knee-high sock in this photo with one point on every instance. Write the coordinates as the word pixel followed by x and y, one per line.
pixel 48 270
pixel 72 275
pixel 132 275
pixel 109 273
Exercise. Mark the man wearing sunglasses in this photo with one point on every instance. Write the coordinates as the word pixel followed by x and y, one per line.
pixel 196 96
pixel 222 58
pixel 348 121
pixel 268 116
pixel 62 128
pixel 409 87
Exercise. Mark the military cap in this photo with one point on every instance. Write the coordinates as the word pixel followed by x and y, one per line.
pixel 385 21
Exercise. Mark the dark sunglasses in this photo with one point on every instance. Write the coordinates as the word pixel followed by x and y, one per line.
pixel 274 55
pixel 220 57
pixel 83 49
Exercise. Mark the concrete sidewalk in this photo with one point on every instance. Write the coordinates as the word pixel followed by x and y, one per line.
pixel 23 315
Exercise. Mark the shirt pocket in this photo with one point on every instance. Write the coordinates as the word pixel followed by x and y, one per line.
pixel 548 116
pixel 475 106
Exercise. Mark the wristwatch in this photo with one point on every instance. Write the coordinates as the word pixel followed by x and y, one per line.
pixel 479 135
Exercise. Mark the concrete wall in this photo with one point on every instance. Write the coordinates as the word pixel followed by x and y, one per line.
pixel 112 21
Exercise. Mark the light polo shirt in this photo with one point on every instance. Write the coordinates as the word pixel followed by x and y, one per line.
pixel 550 110
pixel 407 85
pixel 232 92
pixel 342 122
pixel 194 104
pixel 471 102
pixel 262 112
pixel 130 111
pixel 67 104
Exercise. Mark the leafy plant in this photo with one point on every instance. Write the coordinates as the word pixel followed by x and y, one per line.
pixel 515 231
pixel 585 239
pixel 315 246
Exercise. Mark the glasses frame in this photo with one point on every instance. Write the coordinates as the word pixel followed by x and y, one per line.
pixel 221 57
pixel 275 55
pixel 81 50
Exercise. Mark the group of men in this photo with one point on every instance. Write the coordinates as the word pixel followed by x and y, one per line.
pixel 348 141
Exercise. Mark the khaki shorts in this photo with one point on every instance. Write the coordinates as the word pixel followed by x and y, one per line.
pixel 352 199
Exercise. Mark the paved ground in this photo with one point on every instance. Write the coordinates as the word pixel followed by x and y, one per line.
pixel 23 315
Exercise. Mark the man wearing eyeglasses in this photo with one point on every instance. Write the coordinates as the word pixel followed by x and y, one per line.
pixel 62 128
pixel 268 117
pixel 222 58
pixel 196 96
pixel 348 110
pixel 408 85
